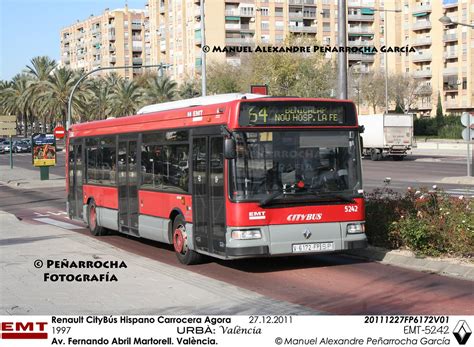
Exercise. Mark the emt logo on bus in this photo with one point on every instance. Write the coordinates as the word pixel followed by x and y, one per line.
pixel 24 330
pixel 257 215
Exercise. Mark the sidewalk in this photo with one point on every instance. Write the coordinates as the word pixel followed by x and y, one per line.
pixel 442 266
pixel 144 287
pixel 28 178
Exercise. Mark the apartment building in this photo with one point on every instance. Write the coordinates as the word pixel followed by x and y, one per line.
pixel 114 38
pixel 444 61
pixel 169 31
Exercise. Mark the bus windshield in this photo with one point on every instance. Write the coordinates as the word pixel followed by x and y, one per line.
pixel 295 163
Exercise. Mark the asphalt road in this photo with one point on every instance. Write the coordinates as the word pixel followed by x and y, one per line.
pixel 335 284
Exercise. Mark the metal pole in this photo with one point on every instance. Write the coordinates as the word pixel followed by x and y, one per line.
pixel 342 42
pixel 11 152
pixel 386 61
pixel 469 148
pixel 69 103
pixel 203 54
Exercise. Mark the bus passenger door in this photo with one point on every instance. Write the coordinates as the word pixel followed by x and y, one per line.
pixel 75 167
pixel 128 186
pixel 208 194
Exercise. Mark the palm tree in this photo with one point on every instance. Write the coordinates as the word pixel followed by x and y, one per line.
pixel 15 98
pixel 56 95
pixel 41 67
pixel 126 98
pixel 189 89
pixel 40 70
pixel 160 90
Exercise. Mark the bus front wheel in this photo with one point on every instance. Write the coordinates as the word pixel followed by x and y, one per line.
pixel 180 243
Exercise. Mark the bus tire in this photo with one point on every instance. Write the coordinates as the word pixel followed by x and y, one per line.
pixel 94 228
pixel 180 243
pixel 397 157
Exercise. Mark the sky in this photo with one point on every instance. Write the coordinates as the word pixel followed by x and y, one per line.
pixel 30 28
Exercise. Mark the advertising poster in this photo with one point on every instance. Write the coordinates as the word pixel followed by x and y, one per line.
pixel 43 149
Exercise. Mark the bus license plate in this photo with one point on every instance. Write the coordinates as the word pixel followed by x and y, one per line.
pixel 313 247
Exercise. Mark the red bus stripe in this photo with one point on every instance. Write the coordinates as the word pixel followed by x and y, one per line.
pixel 14 336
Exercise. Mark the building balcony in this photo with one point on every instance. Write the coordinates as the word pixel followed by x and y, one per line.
pixel 422 8
pixel 450 37
pixel 450 71
pixel 137 26
pixel 360 18
pixel 360 30
pixel 137 60
pixel 369 58
pixel 111 37
pixel 111 48
pixel 309 15
pixel 425 56
pixel 421 25
pixel 450 88
pixel 96 40
pixel 303 29
pixel 95 31
pixel 423 41
pixel 136 38
pixel 452 104
pixel 163 46
pixel 295 2
pixel 295 15
pixel 450 55
pixel 112 60
pixel 422 74
pixel 95 62
pixel 137 48
pixel 360 43
pixel 66 60
pixel 239 41
pixel 162 9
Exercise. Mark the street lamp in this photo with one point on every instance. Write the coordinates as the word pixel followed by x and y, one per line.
pixel 352 70
pixel 448 21
pixel 69 103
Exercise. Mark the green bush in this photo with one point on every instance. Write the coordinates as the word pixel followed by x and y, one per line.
pixel 450 128
pixel 425 127
pixel 426 222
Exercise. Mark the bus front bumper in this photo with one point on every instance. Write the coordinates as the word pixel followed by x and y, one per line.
pixel 295 239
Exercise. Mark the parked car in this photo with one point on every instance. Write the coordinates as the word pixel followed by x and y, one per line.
pixel 5 147
pixel 21 147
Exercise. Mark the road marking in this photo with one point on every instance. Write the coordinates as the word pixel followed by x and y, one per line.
pixel 57 223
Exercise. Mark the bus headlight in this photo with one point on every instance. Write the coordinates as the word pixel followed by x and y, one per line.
pixel 246 234
pixel 356 228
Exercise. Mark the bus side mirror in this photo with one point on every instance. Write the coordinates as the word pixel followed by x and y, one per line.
pixel 229 149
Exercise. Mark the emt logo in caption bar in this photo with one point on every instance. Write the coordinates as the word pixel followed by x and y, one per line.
pixel 24 330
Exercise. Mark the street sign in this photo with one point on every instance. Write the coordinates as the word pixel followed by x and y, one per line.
pixel 466 133
pixel 467 119
pixel 7 125
pixel 59 132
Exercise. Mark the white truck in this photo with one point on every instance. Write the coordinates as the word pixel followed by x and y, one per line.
pixel 387 135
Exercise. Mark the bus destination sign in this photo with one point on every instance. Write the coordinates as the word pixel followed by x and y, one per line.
pixel 292 114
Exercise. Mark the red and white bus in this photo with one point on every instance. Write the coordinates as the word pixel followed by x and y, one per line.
pixel 231 176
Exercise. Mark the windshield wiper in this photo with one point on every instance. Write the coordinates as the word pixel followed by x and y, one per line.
pixel 271 197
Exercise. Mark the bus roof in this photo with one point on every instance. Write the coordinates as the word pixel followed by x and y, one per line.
pixel 200 101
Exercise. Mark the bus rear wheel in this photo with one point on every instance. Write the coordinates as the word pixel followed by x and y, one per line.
pixel 180 243
pixel 94 228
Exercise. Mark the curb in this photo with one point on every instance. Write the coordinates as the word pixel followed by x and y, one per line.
pixel 406 259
